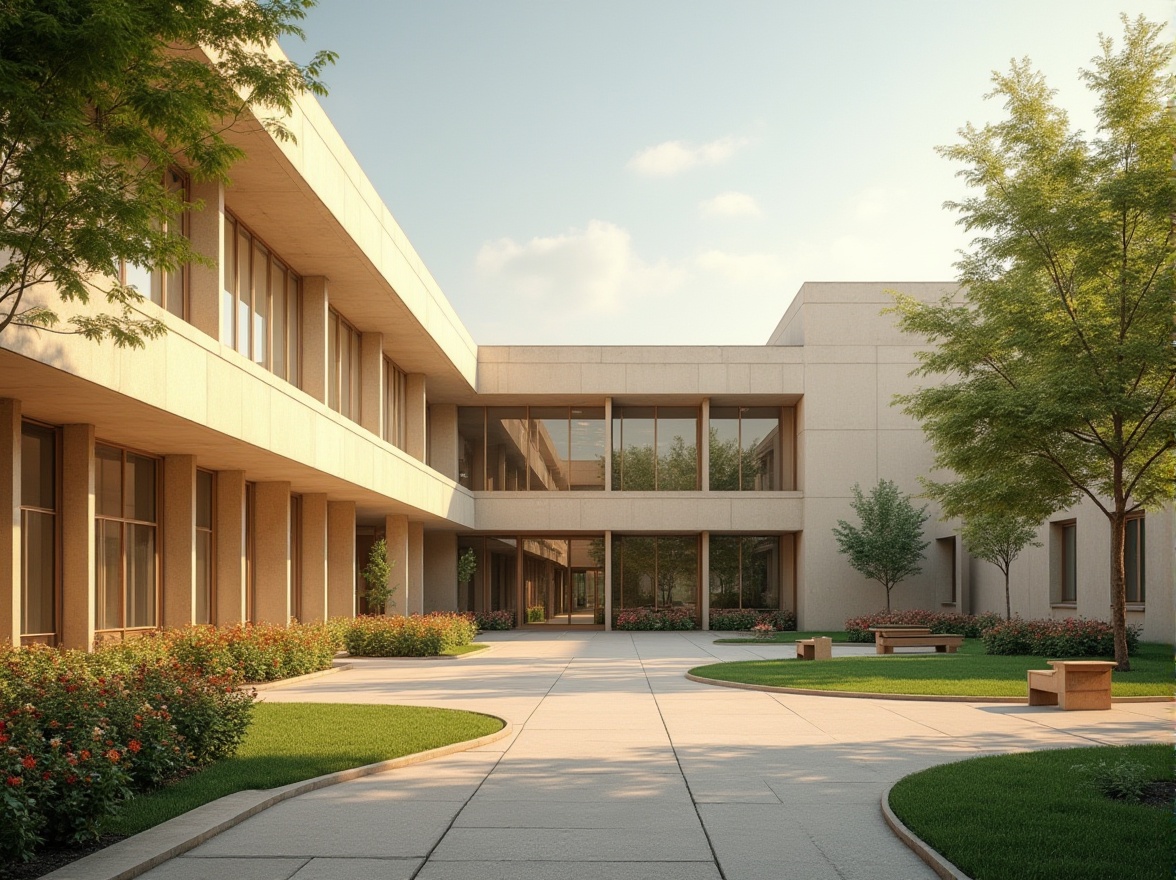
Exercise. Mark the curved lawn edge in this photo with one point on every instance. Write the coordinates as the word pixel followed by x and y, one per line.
pixel 920 847
pixel 143 851
pixel 865 695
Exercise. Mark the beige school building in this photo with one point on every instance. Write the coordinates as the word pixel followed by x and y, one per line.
pixel 316 391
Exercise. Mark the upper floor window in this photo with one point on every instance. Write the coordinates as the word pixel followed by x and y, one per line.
pixel 745 448
pixel 655 448
pixel 260 303
pixel 395 404
pixel 1133 559
pixel 343 365
pixel 165 288
pixel 538 448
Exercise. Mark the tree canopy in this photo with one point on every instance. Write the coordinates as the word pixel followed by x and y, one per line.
pixel 98 99
pixel 999 538
pixel 1055 369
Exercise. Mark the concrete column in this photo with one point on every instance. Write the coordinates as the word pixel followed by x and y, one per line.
pixel 206 231
pixel 314 557
pixel 271 553
pixel 608 578
pixel 704 445
pixel 415 416
pixel 341 559
pixel 10 531
pixel 396 537
pixel 416 568
pixel 229 534
pixel 179 541
pixel 608 460
pixel 371 382
pixel 315 368
pixel 788 448
pixel 704 577
pixel 77 537
pixel 443 439
pixel 440 571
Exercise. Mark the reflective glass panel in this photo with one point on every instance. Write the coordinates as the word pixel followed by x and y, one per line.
pixel 293 326
pixel 228 284
pixel 204 483
pixel 677 448
pixel 38 465
pixel 108 486
pixel 677 571
pixel 502 565
pixel 761 450
pixel 760 573
pixel 140 489
pixel 506 448
pixel 260 304
pixel 724 572
pixel 724 449
pixel 550 443
pixel 244 292
pixel 107 573
pixel 586 466
pixel 279 311
pixel 633 449
pixel 38 565
pixel 140 575
pixel 471 441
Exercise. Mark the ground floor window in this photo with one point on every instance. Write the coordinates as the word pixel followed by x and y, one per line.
pixel 563 580
pixel 493 586
pixel 744 572
pixel 655 572
pixel 126 557
pixel 1133 559
pixel 38 531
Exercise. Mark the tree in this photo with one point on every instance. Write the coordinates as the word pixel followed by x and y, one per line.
pixel 375 574
pixel 98 99
pixel 1057 370
pixel 999 539
pixel 889 545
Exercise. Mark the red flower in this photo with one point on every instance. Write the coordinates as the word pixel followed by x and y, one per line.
pixel 134 745
pixel 14 781
pixel 114 756
pixel 28 762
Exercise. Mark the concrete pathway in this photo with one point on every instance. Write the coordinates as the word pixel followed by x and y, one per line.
pixel 621 768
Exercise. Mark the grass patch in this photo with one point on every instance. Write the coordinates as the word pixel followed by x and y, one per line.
pixel 1033 817
pixel 785 638
pixel 969 673
pixel 458 650
pixel 289 742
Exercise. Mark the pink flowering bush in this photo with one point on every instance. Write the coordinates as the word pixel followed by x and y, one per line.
pixel 746 620
pixel 971 626
pixel 1066 638
pixel 492 620
pixel 418 635
pixel 655 619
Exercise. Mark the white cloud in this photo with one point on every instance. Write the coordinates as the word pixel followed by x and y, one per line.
pixel 730 204
pixel 593 270
pixel 673 157
pixel 750 268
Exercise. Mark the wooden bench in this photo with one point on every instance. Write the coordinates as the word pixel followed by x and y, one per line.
pixel 900 629
pixel 1072 684
pixel 941 642
pixel 818 648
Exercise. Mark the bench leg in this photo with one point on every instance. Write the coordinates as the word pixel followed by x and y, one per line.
pixel 885 649
pixel 1042 698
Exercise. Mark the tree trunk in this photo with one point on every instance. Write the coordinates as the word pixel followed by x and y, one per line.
pixel 887 586
pixel 1008 604
pixel 1119 587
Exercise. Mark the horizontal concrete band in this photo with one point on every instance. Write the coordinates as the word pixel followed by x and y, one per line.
pixel 934 860
pixel 139 854
pixel 931 698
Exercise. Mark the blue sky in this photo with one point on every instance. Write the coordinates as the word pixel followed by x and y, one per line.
pixel 672 172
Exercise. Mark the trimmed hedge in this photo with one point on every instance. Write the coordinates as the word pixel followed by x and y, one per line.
pixel 493 620
pixel 418 635
pixel 734 619
pixel 1070 637
pixel 655 619
pixel 970 626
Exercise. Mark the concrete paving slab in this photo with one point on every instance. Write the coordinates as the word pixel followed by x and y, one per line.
pixel 188 868
pixel 570 870
pixel 574 844
pixel 358 869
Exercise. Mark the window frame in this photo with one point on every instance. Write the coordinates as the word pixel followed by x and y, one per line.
pixel 49 637
pixel 160 277
pixel 1138 595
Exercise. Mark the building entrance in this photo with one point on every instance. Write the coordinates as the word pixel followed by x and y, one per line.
pixel 563 581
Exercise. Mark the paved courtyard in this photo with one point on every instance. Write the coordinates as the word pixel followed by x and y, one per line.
pixel 618 767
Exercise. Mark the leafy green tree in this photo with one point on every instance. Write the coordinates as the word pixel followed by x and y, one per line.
pixel 1057 372
pixel 376 573
pixel 467 564
pixel 888 545
pixel 98 98
pixel 999 539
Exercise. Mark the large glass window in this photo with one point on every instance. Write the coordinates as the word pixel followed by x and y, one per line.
pixel 563 580
pixel 126 558
pixel 166 288
pixel 493 586
pixel 38 530
pixel 744 572
pixel 655 448
pixel 1068 533
pixel 343 360
pixel 205 544
pixel 1133 559
pixel 260 303
pixel 512 448
pixel 395 404
pixel 745 448
pixel 655 572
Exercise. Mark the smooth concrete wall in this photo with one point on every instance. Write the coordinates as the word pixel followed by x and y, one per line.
pixel 440 571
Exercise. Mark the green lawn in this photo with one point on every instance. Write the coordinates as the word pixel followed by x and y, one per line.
pixel 784 638
pixel 1034 817
pixel 970 672
pixel 458 650
pixel 289 742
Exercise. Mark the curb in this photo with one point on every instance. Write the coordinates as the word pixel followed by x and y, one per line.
pixel 297 679
pixel 934 860
pixel 428 656
pixel 138 854
pixel 930 698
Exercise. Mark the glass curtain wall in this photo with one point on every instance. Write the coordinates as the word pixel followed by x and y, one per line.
pixel 38 531
pixel 655 572
pixel 126 559
pixel 535 448
pixel 165 287
pixel 261 302
pixel 745 448
pixel 494 584
pixel 744 572
pixel 655 448
pixel 563 580
pixel 205 544
pixel 395 404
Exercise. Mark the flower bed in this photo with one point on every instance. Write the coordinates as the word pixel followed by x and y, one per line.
pixel 418 635
pixel 80 732
pixel 971 626
pixel 536 614
pixel 1070 637
pixel 492 620
pixel 655 619
pixel 746 620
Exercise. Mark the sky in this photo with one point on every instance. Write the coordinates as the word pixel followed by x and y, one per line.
pixel 645 172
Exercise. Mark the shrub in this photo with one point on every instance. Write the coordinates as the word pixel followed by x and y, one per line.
pixel 418 635
pixel 971 626
pixel 492 620
pixel 746 619
pixel 536 614
pixel 1121 780
pixel 1069 637
pixel 655 619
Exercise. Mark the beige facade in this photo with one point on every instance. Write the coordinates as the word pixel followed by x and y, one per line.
pixel 320 392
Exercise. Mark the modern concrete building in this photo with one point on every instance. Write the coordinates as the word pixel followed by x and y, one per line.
pixel 316 390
